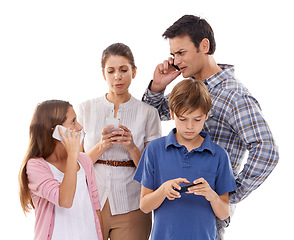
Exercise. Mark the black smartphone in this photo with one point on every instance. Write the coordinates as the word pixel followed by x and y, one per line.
pixel 185 187
pixel 175 66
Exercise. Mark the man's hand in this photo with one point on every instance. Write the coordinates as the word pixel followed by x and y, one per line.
pixel 164 74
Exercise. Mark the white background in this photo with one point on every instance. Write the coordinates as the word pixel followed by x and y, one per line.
pixel 52 49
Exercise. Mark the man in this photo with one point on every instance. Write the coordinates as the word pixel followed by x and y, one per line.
pixel 235 121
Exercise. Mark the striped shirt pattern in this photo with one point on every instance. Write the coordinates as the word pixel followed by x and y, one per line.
pixel 235 123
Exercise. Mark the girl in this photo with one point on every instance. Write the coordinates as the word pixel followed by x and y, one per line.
pixel 57 180
pixel 116 154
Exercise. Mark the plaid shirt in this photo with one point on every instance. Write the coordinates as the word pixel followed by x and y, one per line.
pixel 235 123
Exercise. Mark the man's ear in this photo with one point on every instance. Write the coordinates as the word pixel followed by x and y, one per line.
pixel 204 45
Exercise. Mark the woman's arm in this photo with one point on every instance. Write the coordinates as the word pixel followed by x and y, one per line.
pixel 106 142
pixel 124 137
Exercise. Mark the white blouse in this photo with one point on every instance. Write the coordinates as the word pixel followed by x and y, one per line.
pixel 77 222
pixel 116 183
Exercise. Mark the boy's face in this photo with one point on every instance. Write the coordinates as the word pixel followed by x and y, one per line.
pixel 187 57
pixel 189 125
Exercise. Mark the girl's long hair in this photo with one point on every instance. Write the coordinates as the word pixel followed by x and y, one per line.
pixel 47 115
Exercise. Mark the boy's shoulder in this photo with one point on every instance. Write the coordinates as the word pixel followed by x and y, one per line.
pixel 158 142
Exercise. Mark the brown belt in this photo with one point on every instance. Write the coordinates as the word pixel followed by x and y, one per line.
pixel 129 163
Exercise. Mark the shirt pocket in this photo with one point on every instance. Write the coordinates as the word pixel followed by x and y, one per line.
pixel 209 177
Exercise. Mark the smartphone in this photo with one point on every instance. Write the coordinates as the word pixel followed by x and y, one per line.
pixel 184 188
pixel 114 122
pixel 175 66
pixel 57 136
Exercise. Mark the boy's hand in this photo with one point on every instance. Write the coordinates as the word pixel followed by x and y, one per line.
pixel 203 189
pixel 168 188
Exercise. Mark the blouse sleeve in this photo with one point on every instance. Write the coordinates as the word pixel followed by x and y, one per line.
pixel 153 127
pixel 41 181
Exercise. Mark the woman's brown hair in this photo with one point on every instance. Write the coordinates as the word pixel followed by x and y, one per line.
pixel 47 115
pixel 189 95
pixel 118 49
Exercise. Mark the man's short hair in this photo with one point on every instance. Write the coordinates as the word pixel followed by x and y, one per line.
pixel 189 95
pixel 194 27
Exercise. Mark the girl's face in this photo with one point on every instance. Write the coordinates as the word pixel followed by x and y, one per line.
pixel 118 74
pixel 71 120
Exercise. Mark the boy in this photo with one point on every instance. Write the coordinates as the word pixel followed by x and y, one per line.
pixel 186 155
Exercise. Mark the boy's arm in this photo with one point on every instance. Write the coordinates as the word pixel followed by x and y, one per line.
pixel 219 203
pixel 151 199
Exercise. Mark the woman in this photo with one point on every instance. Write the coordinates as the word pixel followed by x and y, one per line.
pixel 116 154
pixel 57 180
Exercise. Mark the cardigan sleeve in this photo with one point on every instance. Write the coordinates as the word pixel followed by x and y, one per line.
pixel 41 181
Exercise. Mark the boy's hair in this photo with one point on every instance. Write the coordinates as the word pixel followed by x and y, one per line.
pixel 189 95
pixel 194 27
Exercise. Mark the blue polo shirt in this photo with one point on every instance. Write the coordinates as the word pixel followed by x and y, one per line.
pixel 191 216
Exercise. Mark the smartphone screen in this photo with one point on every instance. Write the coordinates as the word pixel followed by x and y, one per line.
pixel 112 122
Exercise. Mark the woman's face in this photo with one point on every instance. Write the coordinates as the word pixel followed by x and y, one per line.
pixel 118 74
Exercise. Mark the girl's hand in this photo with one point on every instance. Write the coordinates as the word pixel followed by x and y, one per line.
pixel 123 137
pixel 203 189
pixel 71 142
pixel 168 188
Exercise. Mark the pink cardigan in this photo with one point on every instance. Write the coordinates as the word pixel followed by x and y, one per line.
pixel 44 189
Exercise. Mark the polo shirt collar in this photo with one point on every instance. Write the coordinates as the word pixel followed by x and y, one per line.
pixel 228 71
pixel 206 145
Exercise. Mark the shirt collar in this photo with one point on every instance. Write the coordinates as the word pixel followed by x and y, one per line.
pixel 227 72
pixel 206 145
pixel 122 105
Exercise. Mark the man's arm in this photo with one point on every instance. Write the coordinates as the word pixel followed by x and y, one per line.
pixel 164 74
pixel 248 122
pixel 159 101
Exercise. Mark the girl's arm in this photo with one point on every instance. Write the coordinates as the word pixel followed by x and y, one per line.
pixel 151 199
pixel 67 187
pixel 219 203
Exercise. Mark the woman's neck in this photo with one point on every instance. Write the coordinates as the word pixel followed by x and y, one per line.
pixel 117 99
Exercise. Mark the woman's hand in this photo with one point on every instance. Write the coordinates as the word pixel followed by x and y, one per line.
pixel 123 137
pixel 106 138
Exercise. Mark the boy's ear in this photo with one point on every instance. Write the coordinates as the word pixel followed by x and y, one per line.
pixel 171 115
pixel 207 114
